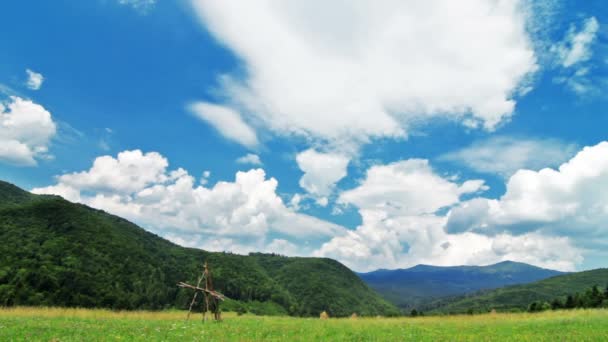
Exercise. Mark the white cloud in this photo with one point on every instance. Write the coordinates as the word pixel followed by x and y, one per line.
pixel 321 172
pixel 401 226
pixel 505 155
pixel 572 201
pixel 576 46
pixel 549 217
pixel 249 158
pixel 579 82
pixel 358 70
pixel 205 177
pixel 572 54
pixel 26 129
pixel 553 252
pixel 34 79
pixel 131 171
pixel 282 247
pixel 399 204
pixel 139 187
pixel 408 187
pixel 227 121
pixel 403 241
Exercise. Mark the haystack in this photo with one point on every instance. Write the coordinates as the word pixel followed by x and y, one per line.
pixel 354 316
pixel 323 315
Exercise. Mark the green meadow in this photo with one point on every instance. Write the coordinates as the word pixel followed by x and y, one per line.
pixel 55 324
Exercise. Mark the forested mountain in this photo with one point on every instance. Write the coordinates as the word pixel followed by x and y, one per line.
pixel 58 253
pixel 417 286
pixel 519 297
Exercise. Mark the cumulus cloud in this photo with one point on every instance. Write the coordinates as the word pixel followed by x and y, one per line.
pixel 140 187
pixel 359 70
pixel 321 172
pixel 548 217
pixel 224 244
pixel 249 158
pixel 227 121
pixel 402 226
pixel 34 79
pixel 400 242
pixel 26 129
pixel 408 187
pixel 570 200
pixel 282 246
pixel 401 206
pixel 505 155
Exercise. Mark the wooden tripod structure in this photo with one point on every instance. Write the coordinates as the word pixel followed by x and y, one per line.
pixel 211 298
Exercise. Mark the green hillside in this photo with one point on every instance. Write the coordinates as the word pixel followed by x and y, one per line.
pixel 307 279
pixel 518 297
pixel 58 253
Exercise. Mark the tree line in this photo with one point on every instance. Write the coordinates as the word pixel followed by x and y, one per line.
pixel 594 297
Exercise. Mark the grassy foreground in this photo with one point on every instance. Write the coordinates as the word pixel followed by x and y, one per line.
pixel 54 324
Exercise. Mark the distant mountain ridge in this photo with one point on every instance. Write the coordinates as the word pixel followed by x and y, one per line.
pixel 417 286
pixel 57 253
pixel 518 297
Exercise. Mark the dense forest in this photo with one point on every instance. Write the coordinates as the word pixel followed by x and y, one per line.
pixel 57 253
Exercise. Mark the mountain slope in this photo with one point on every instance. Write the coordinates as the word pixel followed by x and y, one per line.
pixel 307 280
pixel 55 252
pixel 518 297
pixel 417 286
pixel 12 195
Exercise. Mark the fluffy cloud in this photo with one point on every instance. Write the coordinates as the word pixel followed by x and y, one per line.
pixel 139 187
pixel 407 241
pixel 358 70
pixel 26 129
pixel 249 158
pixel 282 246
pixel 401 226
pixel 401 205
pixel 227 121
pixel 408 187
pixel 549 217
pixel 505 155
pixel 321 172
pixel 34 79
pixel 221 244
pixel 571 200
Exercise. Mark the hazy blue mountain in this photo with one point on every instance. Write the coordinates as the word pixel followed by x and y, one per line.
pixel 419 285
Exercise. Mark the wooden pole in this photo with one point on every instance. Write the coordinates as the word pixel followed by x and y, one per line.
pixel 211 293
pixel 206 275
pixel 195 294
pixel 208 293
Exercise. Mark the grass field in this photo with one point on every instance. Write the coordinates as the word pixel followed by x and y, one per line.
pixel 53 324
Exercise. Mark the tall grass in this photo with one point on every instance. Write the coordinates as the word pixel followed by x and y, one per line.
pixel 44 324
pixel 52 312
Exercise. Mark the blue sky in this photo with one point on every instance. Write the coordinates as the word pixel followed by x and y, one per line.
pixel 382 136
